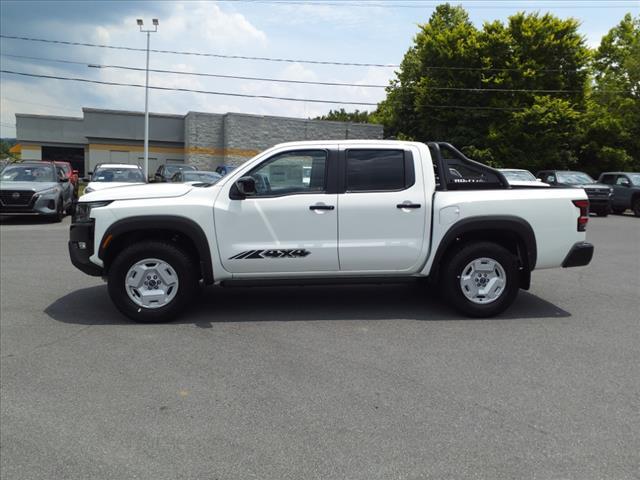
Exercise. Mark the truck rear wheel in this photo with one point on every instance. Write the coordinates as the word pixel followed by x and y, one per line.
pixel 152 281
pixel 480 279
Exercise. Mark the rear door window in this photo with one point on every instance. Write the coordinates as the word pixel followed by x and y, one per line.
pixel 376 170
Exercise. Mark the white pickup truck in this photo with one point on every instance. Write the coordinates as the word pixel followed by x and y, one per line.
pixel 338 211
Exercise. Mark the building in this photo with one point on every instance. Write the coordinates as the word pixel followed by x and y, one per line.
pixel 202 139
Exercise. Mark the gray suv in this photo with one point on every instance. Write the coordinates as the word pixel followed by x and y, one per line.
pixel 626 190
pixel 35 188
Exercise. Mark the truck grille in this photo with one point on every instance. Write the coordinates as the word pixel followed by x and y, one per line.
pixel 16 197
pixel 597 192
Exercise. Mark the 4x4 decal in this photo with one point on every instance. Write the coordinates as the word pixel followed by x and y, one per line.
pixel 279 253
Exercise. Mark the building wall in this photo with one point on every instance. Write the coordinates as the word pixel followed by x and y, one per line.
pixel 45 129
pixel 133 154
pixel 31 152
pixel 233 138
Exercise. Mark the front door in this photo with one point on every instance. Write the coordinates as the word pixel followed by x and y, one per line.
pixel 383 212
pixel 289 225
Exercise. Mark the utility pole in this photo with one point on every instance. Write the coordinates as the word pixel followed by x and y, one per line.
pixel 146 96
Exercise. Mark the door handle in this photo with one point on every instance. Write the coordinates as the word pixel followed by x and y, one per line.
pixel 408 205
pixel 321 207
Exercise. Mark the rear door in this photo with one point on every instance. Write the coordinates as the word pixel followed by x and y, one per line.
pixel 383 214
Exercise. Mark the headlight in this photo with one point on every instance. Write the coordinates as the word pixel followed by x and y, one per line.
pixel 49 191
pixel 83 210
pixel 610 190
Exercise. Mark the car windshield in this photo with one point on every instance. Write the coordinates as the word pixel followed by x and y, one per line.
pixel 171 169
pixel 28 173
pixel 125 175
pixel 208 177
pixel 635 178
pixel 519 175
pixel 574 178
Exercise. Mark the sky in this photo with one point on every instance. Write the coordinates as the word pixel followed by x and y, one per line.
pixel 351 31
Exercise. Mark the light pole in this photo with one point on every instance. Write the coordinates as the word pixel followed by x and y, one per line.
pixel 146 96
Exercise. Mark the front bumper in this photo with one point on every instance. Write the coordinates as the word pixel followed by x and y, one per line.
pixel 579 255
pixel 38 205
pixel 81 248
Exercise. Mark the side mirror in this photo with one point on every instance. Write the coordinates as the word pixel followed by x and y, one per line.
pixel 63 180
pixel 246 186
pixel 74 172
pixel 626 184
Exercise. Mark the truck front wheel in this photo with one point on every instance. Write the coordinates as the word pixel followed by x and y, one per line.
pixel 152 281
pixel 481 279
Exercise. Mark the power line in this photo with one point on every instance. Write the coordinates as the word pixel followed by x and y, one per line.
pixel 240 57
pixel 467 5
pixel 263 79
pixel 269 97
pixel 196 74
pixel 208 92
pixel 200 54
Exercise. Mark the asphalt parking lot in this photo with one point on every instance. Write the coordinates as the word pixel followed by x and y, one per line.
pixel 353 382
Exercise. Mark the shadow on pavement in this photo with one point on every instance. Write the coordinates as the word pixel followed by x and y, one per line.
pixel 92 306
pixel 26 220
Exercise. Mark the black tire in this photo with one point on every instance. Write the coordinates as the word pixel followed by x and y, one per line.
pixel 71 209
pixel 602 213
pixel 636 207
pixel 618 210
pixel 59 215
pixel 459 259
pixel 185 269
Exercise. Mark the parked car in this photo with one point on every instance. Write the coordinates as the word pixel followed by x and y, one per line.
pixel 195 176
pixel 518 177
pixel 626 190
pixel 599 194
pixel 68 171
pixel 165 172
pixel 109 175
pixel 35 188
pixel 371 210
pixel 224 169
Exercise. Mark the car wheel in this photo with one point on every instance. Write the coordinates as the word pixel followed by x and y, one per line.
pixel 602 213
pixel 59 215
pixel 152 281
pixel 481 279
pixel 636 207
pixel 618 211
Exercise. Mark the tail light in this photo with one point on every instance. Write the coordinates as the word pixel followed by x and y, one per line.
pixel 583 219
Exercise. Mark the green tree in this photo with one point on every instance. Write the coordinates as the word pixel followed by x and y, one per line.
pixel 343 116
pixel 611 128
pixel 473 87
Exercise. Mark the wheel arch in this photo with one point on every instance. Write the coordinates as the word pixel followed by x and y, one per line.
pixel 514 233
pixel 183 231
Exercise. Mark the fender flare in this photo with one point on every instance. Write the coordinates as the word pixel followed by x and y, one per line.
pixel 516 225
pixel 183 225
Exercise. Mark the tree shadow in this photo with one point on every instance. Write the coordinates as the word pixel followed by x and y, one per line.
pixel 92 306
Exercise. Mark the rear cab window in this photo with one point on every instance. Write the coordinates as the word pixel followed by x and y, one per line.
pixel 378 170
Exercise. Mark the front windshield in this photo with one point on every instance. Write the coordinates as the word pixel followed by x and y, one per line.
pixel 519 175
pixel 208 177
pixel 124 175
pixel 28 173
pixel 171 169
pixel 635 178
pixel 574 178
